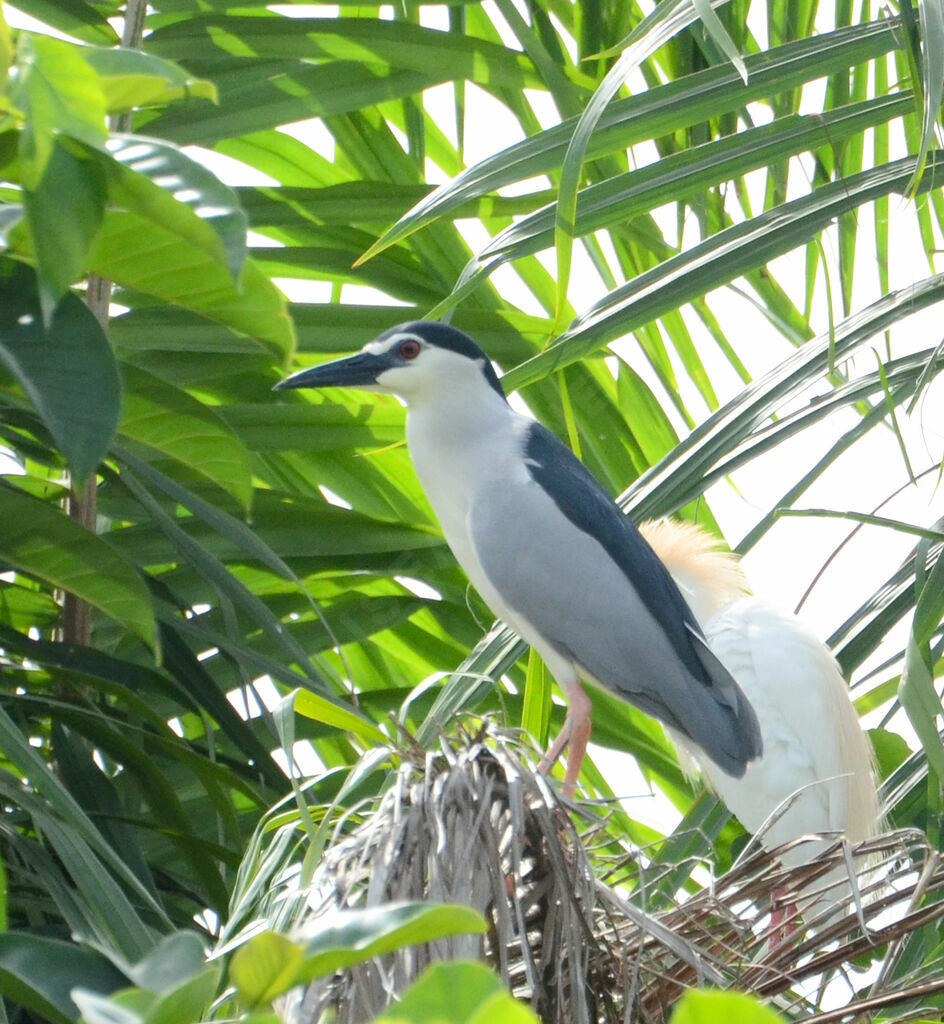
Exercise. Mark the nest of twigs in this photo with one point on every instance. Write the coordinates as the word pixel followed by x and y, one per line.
pixel 475 824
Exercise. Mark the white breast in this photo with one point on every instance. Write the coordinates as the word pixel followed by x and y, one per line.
pixel 458 447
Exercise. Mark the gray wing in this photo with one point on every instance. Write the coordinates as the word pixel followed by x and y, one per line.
pixel 568 587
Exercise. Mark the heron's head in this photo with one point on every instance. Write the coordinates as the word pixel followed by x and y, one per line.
pixel 414 360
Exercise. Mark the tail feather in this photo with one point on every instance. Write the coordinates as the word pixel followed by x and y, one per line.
pixel 735 739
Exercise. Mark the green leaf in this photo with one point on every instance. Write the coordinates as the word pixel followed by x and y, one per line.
pixel 679 175
pixel 254 98
pixel 461 992
pixel 139 254
pixel 58 93
pixel 536 709
pixel 705 1006
pixel 264 967
pixel 67 370
pixel 346 937
pixel 99 906
pixel 188 1002
pixel 719 34
pixel 77 18
pixel 127 1007
pixel 228 585
pixel 39 973
pixel 64 212
pixel 46 544
pixel 654 114
pixel 917 692
pixel 891 750
pixel 863 517
pixel 369 41
pixel 310 705
pixel 931 15
pixel 6 46
pixel 176 959
pixel 170 421
pixel 130 78
pixel 315 426
pixel 715 261
pixel 156 180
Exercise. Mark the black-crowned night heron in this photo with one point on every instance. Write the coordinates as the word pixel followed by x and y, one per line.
pixel 816 772
pixel 546 546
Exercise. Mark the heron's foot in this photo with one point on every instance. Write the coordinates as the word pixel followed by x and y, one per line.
pixel 555 750
pixel 574 735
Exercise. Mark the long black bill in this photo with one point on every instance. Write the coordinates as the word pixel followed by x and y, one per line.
pixel 360 370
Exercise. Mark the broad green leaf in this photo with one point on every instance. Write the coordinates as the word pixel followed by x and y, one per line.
pixel 130 78
pixel 704 1006
pixel 58 93
pixel 315 426
pixel 125 1007
pixel 265 967
pixel 188 1002
pixel 24 607
pixel 39 973
pixel 461 992
pixel 42 542
pixel 6 46
pixel 284 158
pixel 80 19
pixel 154 179
pixel 344 938
pixel 399 276
pixel 171 329
pixel 138 254
pixel 168 420
pixel 67 369
pixel 64 213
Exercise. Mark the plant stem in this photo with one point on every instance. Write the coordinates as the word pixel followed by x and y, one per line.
pixel 82 507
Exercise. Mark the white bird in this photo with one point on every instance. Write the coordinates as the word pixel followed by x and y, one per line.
pixel 816 773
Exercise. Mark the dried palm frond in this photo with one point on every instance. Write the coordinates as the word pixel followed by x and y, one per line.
pixel 475 824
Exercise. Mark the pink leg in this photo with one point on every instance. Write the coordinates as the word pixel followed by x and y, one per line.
pixel 579 735
pixel 782 919
pixel 576 732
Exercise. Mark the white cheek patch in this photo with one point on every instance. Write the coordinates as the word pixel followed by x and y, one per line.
pixel 387 380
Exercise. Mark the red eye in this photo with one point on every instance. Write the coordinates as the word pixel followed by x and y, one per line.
pixel 409 349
